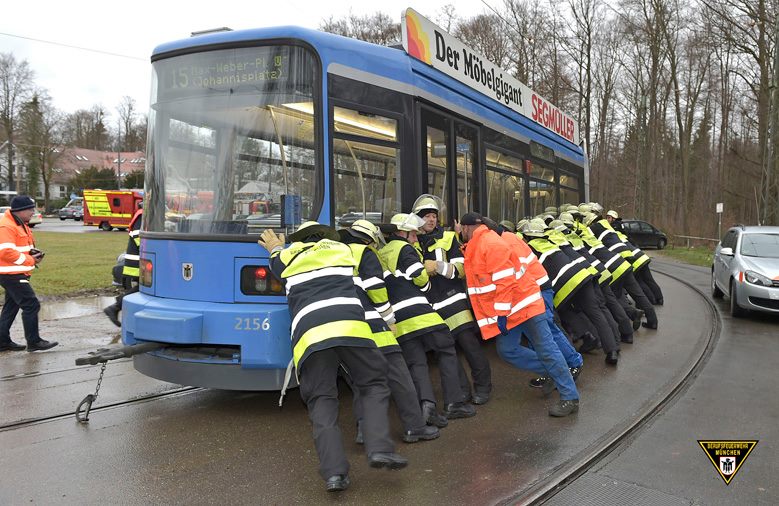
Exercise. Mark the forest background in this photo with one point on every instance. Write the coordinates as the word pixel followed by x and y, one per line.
pixel 677 100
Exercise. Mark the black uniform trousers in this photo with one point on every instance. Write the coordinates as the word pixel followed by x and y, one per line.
pixel 442 343
pixel 319 390
pixel 469 342
pixel 649 285
pixel 19 295
pixel 628 282
pixel 624 322
pixel 403 391
pixel 587 302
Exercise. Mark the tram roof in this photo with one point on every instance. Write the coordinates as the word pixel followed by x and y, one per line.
pixel 392 64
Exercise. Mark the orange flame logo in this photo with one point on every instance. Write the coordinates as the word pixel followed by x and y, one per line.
pixel 418 41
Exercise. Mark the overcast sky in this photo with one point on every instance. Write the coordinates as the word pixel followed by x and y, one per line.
pixel 79 78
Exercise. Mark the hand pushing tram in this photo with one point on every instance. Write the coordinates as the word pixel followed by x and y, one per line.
pixel 268 128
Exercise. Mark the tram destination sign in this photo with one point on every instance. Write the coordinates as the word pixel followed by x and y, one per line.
pixel 429 43
pixel 223 70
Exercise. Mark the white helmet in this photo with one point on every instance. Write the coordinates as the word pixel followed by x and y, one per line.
pixel 407 222
pixel 426 203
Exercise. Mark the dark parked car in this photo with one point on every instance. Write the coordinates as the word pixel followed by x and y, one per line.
pixel 72 213
pixel 643 234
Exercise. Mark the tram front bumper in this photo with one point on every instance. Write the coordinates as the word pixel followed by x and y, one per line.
pixel 259 333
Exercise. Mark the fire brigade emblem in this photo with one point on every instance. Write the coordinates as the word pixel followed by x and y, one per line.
pixel 727 456
pixel 187 270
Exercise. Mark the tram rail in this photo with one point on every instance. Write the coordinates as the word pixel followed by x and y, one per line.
pixel 24 423
pixel 616 438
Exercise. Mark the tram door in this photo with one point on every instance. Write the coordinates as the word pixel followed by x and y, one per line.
pixel 450 161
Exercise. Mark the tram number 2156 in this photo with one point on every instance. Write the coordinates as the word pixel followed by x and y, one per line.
pixel 252 323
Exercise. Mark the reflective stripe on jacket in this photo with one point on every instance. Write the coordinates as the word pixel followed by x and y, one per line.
pixel 526 256
pixel 447 289
pixel 369 278
pixel 323 301
pixel 16 241
pixel 132 253
pixel 407 281
pixel 498 283
pixel 567 275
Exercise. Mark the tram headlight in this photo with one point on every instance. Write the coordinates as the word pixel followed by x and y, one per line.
pixel 146 269
pixel 259 280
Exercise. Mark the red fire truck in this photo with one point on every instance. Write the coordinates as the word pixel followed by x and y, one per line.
pixel 109 209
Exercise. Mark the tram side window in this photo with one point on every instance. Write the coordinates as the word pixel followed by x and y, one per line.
pixel 505 187
pixel 366 162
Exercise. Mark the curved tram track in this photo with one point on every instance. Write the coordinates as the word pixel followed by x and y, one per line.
pixel 621 435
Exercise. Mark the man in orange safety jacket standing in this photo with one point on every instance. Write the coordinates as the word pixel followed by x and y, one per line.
pixel 507 303
pixel 18 258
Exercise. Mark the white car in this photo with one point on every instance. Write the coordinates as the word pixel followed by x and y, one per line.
pixel 746 268
pixel 37 217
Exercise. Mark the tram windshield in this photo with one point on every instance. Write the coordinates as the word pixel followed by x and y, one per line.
pixel 232 134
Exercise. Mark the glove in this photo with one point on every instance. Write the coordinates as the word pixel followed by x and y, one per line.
pixel 393 328
pixel 270 241
pixel 503 325
pixel 430 267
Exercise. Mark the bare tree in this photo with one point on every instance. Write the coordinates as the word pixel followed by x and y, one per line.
pixel 378 28
pixel 16 85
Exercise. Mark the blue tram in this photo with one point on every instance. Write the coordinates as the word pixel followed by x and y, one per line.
pixel 266 128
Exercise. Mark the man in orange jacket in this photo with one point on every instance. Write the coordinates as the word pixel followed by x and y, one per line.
pixel 18 257
pixel 508 303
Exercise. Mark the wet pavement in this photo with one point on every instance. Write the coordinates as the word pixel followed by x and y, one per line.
pixel 733 398
pixel 206 446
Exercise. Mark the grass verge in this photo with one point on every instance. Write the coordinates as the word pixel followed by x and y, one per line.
pixel 701 256
pixel 76 263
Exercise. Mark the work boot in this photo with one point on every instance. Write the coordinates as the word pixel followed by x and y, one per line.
pixel 564 408
pixel 612 357
pixel 386 459
pixel 459 410
pixel 11 346
pixel 359 439
pixel 637 319
pixel 590 343
pixel 431 416
pixel 627 339
pixel 538 382
pixel 659 302
pixel 425 433
pixel 575 372
pixel 548 387
pixel 112 312
pixel 480 398
pixel 648 325
pixel 41 345
pixel 337 483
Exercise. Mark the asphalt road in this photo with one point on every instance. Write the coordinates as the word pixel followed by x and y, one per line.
pixel 69 226
pixel 733 398
pixel 206 446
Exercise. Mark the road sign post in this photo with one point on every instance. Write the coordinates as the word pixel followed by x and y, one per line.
pixel 720 208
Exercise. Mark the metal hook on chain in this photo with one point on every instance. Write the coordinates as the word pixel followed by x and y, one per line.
pixel 87 402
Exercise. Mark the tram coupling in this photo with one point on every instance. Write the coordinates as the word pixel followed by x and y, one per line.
pixel 102 356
